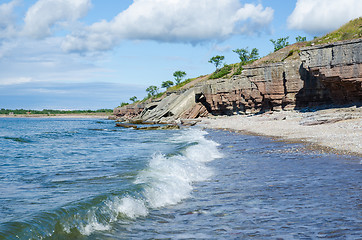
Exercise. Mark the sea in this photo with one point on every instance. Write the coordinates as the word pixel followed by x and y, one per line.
pixel 88 179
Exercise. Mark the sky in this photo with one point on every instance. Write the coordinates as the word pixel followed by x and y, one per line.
pixel 93 54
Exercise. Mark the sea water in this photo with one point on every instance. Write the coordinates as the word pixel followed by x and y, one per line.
pixel 87 179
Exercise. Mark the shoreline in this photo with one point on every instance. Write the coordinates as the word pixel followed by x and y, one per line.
pixel 66 115
pixel 337 130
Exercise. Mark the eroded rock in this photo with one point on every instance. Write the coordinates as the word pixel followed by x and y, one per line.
pixel 312 76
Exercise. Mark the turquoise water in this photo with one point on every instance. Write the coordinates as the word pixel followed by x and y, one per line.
pixel 87 179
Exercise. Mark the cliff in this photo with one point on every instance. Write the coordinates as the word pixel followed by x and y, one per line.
pixel 337 67
pixel 129 111
pixel 292 78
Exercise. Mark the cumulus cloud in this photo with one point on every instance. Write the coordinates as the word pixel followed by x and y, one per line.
pixel 7 19
pixel 187 21
pixel 322 16
pixel 45 14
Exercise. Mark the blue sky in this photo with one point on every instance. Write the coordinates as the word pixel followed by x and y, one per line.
pixel 92 54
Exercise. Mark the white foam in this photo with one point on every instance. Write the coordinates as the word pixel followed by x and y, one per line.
pixel 93 225
pixel 86 227
pixel 169 179
pixel 127 206
pixel 166 180
pixel 131 207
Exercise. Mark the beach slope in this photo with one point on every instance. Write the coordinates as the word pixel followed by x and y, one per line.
pixel 336 129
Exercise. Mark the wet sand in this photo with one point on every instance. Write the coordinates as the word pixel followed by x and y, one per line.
pixel 338 129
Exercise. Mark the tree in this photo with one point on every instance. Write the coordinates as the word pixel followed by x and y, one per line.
pixel 166 84
pixel 246 56
pixel 301 39
pixel 178 76
pixel 280 43
pixel 133 99
pixel 152 90
pixel 217 60
pixel 124 104
pixel 254 54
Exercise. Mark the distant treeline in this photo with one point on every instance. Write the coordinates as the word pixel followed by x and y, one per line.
pixel 52 111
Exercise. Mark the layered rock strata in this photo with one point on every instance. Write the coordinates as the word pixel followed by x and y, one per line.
pixel 338 67
pixel 316 75
pixel 263 87
pixel 129 111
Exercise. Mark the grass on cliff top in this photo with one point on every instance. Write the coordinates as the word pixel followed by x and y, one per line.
pixel 219 73
pixel 170 89
pixel 181 84
pixel 349 31
pixel 228 71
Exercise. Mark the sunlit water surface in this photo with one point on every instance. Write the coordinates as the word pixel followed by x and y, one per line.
pixel 87 179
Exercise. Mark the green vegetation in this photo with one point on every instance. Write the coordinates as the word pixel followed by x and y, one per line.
pixel 133 99
pixel 290 53
pixel 166 84
pixel 239 69
pixel 52 111
pixel 246 56
pixel 179 75
pixel 123 104
pixel 280 43
pixel 217 61
pixel 300 39
pixel 221 72
pixel 152 91
pixel 181 84
pixel 158 95
pixel 349 31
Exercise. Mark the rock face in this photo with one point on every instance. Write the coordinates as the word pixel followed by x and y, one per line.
pixel 129 111
pixel 263 87
pixel 338 67
pixel 171 107
pixel 316 75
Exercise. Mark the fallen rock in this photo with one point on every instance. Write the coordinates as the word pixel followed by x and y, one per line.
pixel 126 125
pixel 166 127
pixel 189 122
pixel 158 127
pixel 140 121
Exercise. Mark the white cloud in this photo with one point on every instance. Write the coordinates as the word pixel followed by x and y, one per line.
pixel 220 48
pixel 6 47
pixel 7 19
pixel 187 21
pixel 322 16
pixel 14 81
pixel 33 61
pixel 45 14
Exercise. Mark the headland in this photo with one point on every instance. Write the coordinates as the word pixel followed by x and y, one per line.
pixel 307 92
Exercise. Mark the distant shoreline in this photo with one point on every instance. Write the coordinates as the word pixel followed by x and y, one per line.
pixel 66 115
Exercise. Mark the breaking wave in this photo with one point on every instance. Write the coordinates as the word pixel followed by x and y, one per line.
pixel 167 180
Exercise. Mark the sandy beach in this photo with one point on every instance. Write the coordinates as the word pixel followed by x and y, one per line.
pixel 337 129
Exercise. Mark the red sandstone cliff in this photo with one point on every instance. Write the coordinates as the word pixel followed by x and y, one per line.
pixel 291 78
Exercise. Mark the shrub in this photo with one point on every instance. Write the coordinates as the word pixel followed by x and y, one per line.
pixel 221 72
pixel 280 43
